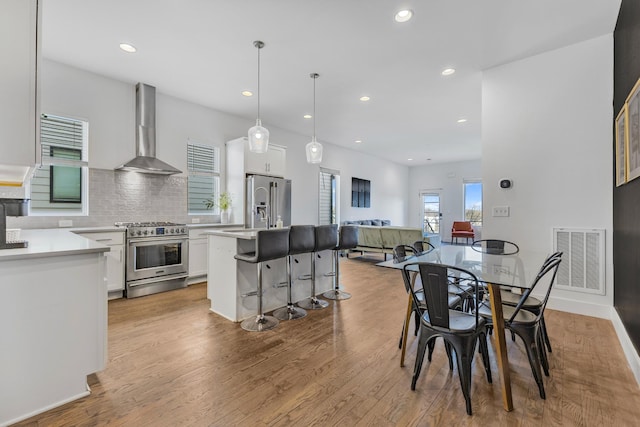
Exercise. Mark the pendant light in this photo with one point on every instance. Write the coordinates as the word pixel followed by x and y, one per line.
pixel 314 148
pixel 258 135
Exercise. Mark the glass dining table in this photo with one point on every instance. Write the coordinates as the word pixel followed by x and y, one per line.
pixel 495 270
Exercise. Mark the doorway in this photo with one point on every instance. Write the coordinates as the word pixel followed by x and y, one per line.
pixel 430 201
pixel 328 197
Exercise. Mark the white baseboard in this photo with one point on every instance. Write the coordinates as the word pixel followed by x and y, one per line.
pixel 580 307
pixel 627 346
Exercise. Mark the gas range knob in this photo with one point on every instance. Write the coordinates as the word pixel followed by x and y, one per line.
pixel 145 232
pixel 139 233
pixel 182 230
pixel 172 230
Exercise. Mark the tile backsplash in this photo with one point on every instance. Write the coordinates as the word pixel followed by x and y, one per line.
pixel 125 196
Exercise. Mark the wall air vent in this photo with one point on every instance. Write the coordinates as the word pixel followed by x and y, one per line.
pixel 582 266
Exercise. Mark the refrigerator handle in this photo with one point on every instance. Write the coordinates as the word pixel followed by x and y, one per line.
pixel 274 200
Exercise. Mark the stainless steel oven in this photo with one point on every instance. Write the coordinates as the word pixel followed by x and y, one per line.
pixel 157 258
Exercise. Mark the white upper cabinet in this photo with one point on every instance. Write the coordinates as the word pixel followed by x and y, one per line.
pixel 19 50
pixel 272 163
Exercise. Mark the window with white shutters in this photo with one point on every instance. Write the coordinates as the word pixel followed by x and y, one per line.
pixel 59 185
pixel 203 163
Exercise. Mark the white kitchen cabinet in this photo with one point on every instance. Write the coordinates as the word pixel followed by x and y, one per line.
pixel 114 273
pixel 19 152
pixel 197 255
pixel 273 162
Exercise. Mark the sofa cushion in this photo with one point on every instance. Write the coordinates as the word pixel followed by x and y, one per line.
pixel 369 237
pixel 365 222
pixel 376 222
pixel 386 222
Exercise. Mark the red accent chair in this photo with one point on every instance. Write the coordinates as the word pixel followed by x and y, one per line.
pixel 462 229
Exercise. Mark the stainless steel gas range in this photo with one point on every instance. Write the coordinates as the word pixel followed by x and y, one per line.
pixel 157 257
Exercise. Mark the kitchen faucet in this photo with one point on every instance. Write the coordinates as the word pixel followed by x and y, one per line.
pixel 263 210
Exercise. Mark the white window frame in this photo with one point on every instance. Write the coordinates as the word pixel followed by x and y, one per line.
pixel 464 200
pixel 198 167
pixel 48 161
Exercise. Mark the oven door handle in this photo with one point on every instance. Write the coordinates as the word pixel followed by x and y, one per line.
pixel 157 241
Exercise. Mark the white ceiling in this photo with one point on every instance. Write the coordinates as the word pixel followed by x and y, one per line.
pixel 202 51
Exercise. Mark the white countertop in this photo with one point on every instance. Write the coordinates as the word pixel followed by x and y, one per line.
pixel 214 225
pixel 53 242
pixel 235 233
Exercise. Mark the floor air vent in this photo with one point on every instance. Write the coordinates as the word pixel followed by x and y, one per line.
pixel 582 266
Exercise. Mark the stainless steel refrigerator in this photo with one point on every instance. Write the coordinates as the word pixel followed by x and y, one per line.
pixel 267 199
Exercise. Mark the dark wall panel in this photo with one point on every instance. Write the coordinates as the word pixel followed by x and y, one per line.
pixel 626 198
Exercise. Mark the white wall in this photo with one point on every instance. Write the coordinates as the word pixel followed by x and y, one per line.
pixel 547 125
pixel 109 107
pixel 448 179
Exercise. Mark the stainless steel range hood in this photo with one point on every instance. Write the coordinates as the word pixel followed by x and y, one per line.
pixel 145 160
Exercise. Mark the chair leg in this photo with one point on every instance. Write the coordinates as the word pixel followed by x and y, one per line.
pixel 336 293
pixel 545 335
pixel 484 352
pixel 313 303
pixel 261 322
pixel 290 312
pixel 464 355
pixel 422 346
pixel 528 335
pixel 405 331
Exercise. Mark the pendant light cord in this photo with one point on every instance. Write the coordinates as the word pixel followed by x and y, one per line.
pixel 258 82
pixel 314 107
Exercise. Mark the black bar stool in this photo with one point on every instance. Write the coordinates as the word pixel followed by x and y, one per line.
pixel 270 245
pixel 326 238
pixel 302 240
pixel 347 239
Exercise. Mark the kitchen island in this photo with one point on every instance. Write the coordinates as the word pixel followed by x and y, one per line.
pixel 53 321
pixel 228 280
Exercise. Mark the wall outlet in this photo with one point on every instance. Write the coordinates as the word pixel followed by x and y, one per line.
pixel 65 223
pixel 195 220
pixel 501 211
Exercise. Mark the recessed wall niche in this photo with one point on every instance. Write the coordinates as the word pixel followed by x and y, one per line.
pixel 360 193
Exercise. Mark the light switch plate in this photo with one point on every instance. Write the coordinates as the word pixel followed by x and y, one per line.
pixel 65 223
pixel 195 220
pixel 501 211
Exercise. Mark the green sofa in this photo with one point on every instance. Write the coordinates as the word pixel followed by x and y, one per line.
pixel 383 239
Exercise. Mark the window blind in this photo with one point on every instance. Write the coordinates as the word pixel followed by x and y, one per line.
pixel 203 164
pixel 68 135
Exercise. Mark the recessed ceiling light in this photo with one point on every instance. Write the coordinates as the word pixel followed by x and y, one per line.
pixel 403 15
pixel 410 159
pixel 364 98
pixel 127 47
pixel 307 116
pixel 247 93
pixel 358 141
pixel 462 120
pixel 448 71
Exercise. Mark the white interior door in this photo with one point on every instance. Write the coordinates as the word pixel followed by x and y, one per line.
pixel 430 202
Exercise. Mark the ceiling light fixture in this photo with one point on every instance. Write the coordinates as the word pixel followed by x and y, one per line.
pixel 358 141
pixel 463 120
pixel 307 116
pixel 314 148
pixel 247 93
pixel 128 47
pixel 258 135
pixel 403 15
pixel 448 71
pixel 410 160
pixel 364 98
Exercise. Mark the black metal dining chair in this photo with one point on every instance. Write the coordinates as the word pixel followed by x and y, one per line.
pixel 495 247
pixel 461 331
pixel 526 324
pixel 421 247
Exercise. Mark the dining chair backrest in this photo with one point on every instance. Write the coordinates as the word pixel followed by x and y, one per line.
pixel 547 274
pixel 419 247
pixel 435 280
pixel 495 247
pixel 402 251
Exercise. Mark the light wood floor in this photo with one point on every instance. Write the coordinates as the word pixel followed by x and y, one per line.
pixel 172 362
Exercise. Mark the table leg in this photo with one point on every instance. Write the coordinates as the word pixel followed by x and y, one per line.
pixel 501 345
pixel 405 331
